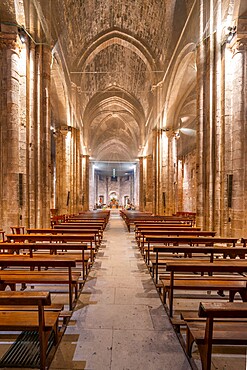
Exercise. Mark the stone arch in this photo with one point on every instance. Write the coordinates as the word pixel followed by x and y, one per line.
pixel 121 38
pixel 59 92
pixel 182 84
pixel 128 117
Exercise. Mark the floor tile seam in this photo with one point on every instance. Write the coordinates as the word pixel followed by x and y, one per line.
pixel 149 306
pixel 146 330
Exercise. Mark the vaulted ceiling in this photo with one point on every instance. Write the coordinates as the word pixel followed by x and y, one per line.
pixel 107 57
pixel 113 52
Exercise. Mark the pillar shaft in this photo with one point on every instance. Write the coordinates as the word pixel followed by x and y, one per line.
pixel 9 126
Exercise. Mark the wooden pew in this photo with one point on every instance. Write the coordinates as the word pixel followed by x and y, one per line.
pixel 96 214
pixel 130 217
pixel 53 248
pixel 80 238
pixel 145 235
pixel 42 261
pixel 44 322
pixel 67 230
pixel 210 251
pixel 187 240
pixel 156 228
pixel 12 277
pixel 78 220
pixel 220 328
pixel 223 266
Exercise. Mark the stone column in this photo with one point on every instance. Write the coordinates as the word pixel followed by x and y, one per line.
pixel 9 126
pixel 141 189
pixel 31 135
pixel 149 184
pixel 171 174
pixel 239 138
pixel 85 168
pixel 154 170
pixel 164 171
pixel 159 150
pixel 62 188
pixel 157 163
pixel 200 166
pixel 45 139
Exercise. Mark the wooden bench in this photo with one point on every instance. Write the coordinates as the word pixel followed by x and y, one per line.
pixel 81 219
pixel 54 248
pixel 158 219
pixel 158 229
pixel 68 231
pixel 232 284
pixel 71 238
pixel 220 332
pixel 170 233
pixel 168 253
pixel 187 240
pixel 130 217
pixel 12 277
pixel 81 226
pixel 45 261
pixel 219 266
pixel 65 315
pixel 44 322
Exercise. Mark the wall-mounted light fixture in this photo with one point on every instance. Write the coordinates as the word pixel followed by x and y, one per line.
pixel 22 34
pixel 231 32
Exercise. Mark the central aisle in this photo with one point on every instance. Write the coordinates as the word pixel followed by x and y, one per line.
pixel 119 322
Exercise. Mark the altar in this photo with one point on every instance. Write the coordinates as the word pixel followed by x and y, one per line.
pixel 113 203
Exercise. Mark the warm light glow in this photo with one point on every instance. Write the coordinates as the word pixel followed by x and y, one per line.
pixel 23 61
pixel 188 131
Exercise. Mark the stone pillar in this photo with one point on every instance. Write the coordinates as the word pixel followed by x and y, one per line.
pixel 69 171
pixel 136 185
pixel 141 183
pixel 159 196
pixel 157 161
pixel 9 129
pixel 85 169
pixel 164 171
pixel 171 172
pixel 31 135
pixel 62 188
pixel 200 166
pixel 45 139
pixel 149 184
pixel 239 138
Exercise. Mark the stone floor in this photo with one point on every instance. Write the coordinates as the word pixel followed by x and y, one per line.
pixel 119 322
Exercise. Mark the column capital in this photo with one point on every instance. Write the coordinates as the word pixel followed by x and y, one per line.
pixel 239 41
pixel 10 41
pixel 238 46
pixel 170 134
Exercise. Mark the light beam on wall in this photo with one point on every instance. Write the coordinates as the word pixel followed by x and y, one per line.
pixel 188 131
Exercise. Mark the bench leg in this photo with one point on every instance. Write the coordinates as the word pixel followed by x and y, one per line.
pixel 205 354
pixel 189 342
pixel 205 349
pixel 164 295
pixel 12 286
pixel 243 294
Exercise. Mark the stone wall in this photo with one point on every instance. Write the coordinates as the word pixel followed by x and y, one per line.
pixel 109 189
